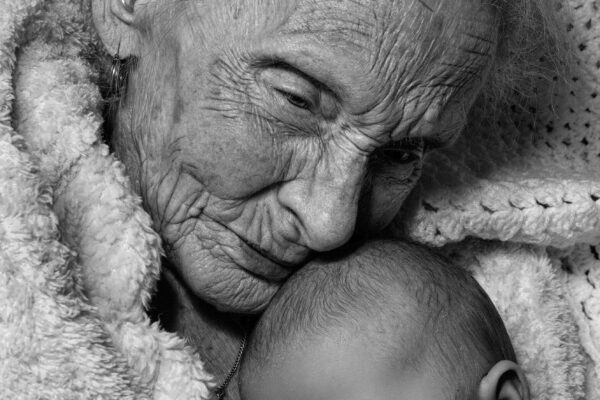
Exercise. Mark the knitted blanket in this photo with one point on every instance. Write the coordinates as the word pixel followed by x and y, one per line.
pixel 78 257
pixel 535 184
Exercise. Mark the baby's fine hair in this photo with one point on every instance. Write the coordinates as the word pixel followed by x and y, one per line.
pixel 373 292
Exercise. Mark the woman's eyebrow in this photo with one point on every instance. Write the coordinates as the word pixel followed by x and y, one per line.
pixel 318 68
pixel 281 63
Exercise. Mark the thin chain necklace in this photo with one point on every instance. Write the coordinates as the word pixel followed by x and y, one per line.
pixel 220 391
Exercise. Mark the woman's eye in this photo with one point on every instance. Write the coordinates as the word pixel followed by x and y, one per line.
pixel 400 156
pixel 289 86
pixel 406 152
pixel 295 100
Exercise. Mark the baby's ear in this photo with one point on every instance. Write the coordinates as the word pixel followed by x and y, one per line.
pixel 505 381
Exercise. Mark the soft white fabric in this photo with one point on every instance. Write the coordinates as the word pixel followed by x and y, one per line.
pixel 78 257
pixel 73 324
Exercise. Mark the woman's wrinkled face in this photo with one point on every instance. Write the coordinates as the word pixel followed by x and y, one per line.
pixel 261 132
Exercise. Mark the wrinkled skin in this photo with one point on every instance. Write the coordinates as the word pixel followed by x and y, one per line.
pixel 261 132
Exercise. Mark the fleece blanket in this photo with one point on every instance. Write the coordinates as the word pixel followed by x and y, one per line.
pixel 72 319
pixel 79 260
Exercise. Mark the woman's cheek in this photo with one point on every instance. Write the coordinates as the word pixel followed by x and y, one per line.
pixel 232 159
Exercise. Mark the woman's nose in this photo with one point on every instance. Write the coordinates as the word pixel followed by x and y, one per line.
pixel 325 204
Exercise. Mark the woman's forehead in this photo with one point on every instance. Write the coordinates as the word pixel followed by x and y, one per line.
pixel 358 22
pixel 360 18
pixel 369 47
pixel 365 26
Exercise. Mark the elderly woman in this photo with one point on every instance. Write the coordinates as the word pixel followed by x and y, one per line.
pixel 260 133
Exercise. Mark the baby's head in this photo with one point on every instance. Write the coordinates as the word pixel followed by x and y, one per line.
pixel 389 321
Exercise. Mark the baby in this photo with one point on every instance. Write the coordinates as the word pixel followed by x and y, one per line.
pixel 389 322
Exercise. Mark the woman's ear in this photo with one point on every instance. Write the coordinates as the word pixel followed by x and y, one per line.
pixel 114 21
pixel 505 381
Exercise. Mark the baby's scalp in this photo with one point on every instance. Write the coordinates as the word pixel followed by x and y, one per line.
pixel 410 306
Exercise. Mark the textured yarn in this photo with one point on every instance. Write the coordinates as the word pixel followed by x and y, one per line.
pixel 532 180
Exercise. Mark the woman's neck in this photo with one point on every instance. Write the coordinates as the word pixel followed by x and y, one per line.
pixel 214 335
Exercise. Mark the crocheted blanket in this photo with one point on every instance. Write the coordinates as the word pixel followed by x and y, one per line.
pixel 78 257
pixel 537 184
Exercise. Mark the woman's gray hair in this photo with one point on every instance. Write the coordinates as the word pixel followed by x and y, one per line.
pixel 533 55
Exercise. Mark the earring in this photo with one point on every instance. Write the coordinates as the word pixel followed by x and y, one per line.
pixel 117 76
pixel 127 5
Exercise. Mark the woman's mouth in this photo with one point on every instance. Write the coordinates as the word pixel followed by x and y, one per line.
pixel 285 264
pixel 262 264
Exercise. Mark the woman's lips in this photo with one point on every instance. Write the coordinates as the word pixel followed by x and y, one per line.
pixel 260 263
pixel 255 260
pixel 285 264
